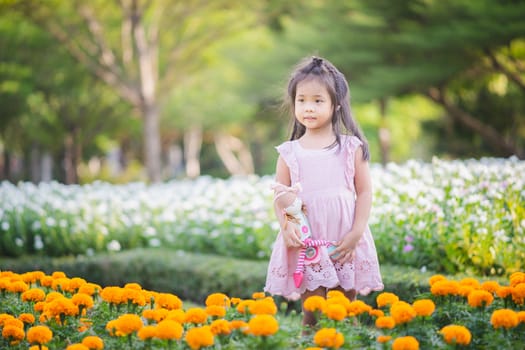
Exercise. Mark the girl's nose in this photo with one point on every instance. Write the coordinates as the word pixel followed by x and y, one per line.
pixel 309 107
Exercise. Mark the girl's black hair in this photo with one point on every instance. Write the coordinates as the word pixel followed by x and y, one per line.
pixel 337 86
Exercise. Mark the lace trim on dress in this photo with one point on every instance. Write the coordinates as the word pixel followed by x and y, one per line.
pixel 285 150
pixel 352 143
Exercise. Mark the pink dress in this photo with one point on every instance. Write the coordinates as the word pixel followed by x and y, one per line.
pixel 327 180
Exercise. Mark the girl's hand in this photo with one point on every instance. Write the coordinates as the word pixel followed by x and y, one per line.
pixel 345 250
pixel 292 235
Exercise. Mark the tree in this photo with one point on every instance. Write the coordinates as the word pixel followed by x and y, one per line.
pixel 142 49
pixel 439 49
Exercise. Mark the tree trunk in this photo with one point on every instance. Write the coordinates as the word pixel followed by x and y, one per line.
pixel 234 154
pixel 152 151
pixel 46 167
pixel 192 149
pixel 69 162
pixel 35 167
pixel 384 133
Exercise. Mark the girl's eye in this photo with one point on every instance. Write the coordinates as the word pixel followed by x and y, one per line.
pixel 318 101
pixel 299 100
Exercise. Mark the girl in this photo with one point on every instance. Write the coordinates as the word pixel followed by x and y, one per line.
pixel 327 157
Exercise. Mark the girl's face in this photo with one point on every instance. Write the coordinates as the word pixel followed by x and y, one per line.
pixel 313 105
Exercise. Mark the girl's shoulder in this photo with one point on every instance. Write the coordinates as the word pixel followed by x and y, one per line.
pixel 285 147
pixel 350 142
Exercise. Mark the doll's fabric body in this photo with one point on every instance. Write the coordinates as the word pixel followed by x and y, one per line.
pixel 327 180
pixel 309 254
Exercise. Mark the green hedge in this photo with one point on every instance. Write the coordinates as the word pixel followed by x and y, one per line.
pixel 193 276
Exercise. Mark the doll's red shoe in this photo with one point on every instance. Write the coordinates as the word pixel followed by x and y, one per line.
pixel 298 278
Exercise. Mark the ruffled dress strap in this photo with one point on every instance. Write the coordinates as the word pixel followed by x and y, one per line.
pixel 286 150
pixel 352 143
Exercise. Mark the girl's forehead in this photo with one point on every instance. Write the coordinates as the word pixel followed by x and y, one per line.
pixel 311 86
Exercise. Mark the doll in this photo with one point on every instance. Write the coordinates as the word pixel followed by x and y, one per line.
pixel 295 213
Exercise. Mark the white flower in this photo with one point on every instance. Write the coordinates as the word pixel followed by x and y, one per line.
pixel 114 246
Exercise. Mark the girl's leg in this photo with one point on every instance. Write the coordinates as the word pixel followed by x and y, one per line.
pixel 309 319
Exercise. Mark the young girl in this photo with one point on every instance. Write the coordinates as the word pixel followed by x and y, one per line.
pixel 327 155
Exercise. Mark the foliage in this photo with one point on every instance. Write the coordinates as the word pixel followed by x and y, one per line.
pixel 58 311
pixel 444 216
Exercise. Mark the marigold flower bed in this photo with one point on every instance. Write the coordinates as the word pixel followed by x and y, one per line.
pixel 39 311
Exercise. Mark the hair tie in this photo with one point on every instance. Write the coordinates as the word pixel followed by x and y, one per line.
pixel 317 61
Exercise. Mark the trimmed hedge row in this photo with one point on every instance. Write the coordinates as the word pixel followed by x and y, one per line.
pixel 191 276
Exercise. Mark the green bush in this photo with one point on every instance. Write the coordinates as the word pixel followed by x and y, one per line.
pixel 194 276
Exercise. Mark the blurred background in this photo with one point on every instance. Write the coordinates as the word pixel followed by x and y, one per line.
pixel 152 90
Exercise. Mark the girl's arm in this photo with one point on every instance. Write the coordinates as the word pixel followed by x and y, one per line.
pixel 363 205
pixel 290 232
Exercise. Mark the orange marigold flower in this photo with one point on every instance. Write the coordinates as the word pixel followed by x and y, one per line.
pixel 334 293
pixel 39 306
pixel 244 306
pixel 464 291
pixel 518 294
pixel 27 318
pixel 469 281
pixel 61 306
pixel 445 287
pixel 199 337
pixel 147 332
pixel 195 315
pixel 17 287
pixel 128 323
pixel 504 291
pixel 376 313
pixel 517 278
pixel 111 327
pixel 235 301
pixel 169 329
pixel 112 295
pixel 168 301
pixel 53 295
pixel 83 300
pixel 89 288
pixel 263 306
pixel 480 298
pixel 387 322
pixel 46 281
pixel 13 333
pixel 77 346
pixel 216 311
pixel 39 335
pixel 133 285
pixel 58 274
pixel 218 299
pixel 385 298
pixel 405 343
pixel 504 318
pixel 75 283
pixel 402 312
pixel 340 300
pixel 156 315
pixel 33 294
pixel 436 278
pixel 335 312
pixel 263 325
pixel 258 295
pixel 38 347
pixel 314 303
pixel 13 322
pixel 490 286
pixel 455 334
pixel 358 307
pixel 238 324
pixel 61 284
pixel 384 338
pixel 521 316
pixel 93 342
pixel 220 327
pixel 329 338
pixel 424 307
pixel 176 315
pixel 134 296
pixel 4 317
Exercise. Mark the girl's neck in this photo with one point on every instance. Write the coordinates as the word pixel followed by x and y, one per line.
pixel 316 139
